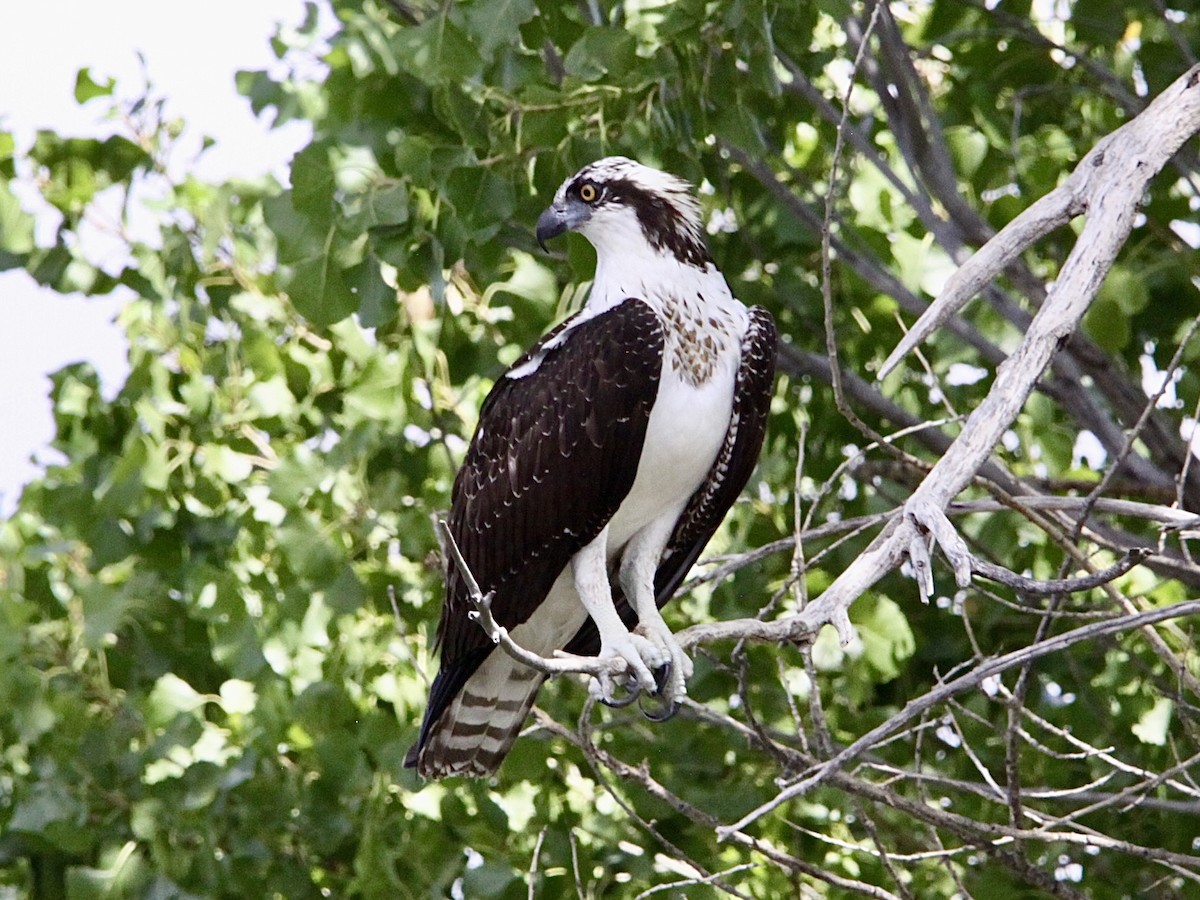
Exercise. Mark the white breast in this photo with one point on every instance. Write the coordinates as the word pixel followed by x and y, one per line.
pixel 687 426
pixel 685 432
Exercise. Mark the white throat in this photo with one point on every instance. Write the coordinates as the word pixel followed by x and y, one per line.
pixel 704 322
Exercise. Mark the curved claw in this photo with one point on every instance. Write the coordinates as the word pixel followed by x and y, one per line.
pixel 661 676
pixel 666 708
pixel 666 711
pixel 634 691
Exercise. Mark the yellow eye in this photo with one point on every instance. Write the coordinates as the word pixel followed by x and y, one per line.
pixel 587 192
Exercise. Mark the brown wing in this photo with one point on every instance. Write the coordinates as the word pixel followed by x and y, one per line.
pixel 728 475
pixel 555 452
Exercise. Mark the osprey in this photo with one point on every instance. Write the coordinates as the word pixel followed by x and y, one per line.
pixel 604 460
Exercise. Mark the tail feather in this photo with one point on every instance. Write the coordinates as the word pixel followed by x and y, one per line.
pixel 477 728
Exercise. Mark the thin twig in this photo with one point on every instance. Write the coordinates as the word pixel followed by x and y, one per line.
pixel 533 866
pixel 579 892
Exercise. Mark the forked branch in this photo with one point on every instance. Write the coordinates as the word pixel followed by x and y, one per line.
pixel 986 669
pixel 802 626
pixel 1108 185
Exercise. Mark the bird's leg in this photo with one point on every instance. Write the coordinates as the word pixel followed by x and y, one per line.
pixel 589 568
pixel 638 566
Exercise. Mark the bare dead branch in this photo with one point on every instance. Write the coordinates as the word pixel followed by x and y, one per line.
pixel 909 113
pixel 1023 585
pixel 831 350
pixel 533 866
pixel 800 627
pixel 971 679
pixel 1107 185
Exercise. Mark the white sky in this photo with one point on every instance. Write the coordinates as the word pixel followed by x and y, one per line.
pixel 192 52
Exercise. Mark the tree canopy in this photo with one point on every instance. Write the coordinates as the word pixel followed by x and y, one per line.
pixel 217 613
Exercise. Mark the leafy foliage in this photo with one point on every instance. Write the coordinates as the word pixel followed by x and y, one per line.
pixel 217 611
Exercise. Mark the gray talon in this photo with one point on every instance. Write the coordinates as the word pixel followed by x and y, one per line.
pixel 661 676
pixel 664 711
pixel 634 691
pixel 660 709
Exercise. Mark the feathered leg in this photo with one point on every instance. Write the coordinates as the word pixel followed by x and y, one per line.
pixel 642 655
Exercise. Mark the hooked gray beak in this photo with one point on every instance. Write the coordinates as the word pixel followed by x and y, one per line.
pixel 551 223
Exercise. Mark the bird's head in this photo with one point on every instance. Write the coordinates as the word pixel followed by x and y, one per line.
pixel 619 204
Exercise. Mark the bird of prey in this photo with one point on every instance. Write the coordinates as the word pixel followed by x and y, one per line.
pixel 604 460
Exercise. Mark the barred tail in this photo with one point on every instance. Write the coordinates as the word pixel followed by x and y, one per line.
pixel 478 726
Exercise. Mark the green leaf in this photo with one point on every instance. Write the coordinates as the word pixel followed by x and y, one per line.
pixel 296 236
pixel 484 201
pixel 46 804
pixel 969 148
pixel 271 398
pixel 306 548
pixel 319 289
pixel 171 696
pixel 529 280
pixel 87 88
pixel 104 608
pixel 313 182
pixel 1107 323
pixel 599 52
pixel 226 464
pixel 260 89
pixel 496 23
pixel 1125 289
pixel 123 486
pixel 16 231
pixel 388 205
pixel 238 697
pixel 887 638
pixel 8 152
pixel 488 880
pixel 413 157
pixel 1154 725
pixel 376 298
pixel 77 168
pixel 436 52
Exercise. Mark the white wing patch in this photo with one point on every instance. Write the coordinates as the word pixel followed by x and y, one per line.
pixel 531 365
